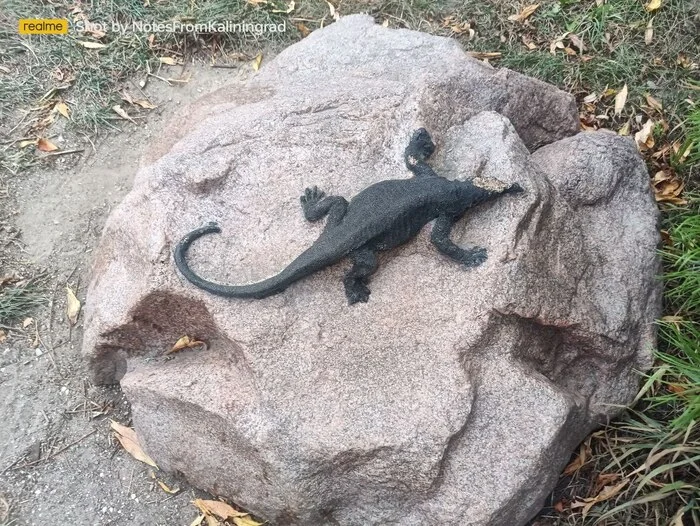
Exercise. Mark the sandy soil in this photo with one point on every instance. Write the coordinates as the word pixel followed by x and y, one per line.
pixel 59 463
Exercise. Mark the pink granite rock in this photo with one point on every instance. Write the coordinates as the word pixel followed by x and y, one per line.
pixel 454 396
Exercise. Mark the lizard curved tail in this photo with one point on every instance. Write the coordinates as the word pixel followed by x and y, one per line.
pixel 295 271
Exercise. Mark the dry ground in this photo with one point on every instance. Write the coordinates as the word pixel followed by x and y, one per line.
pixel 58 461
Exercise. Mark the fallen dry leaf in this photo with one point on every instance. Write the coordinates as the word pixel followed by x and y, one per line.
pixel 653 103
pixel 524 14
pixel 557 43
pixel 72 306
pixel 198 521
pixel 3 336
pixel 167 489
pixel 606 493
pixel 211 520
pixel 170 61
pixel 257 61
pixel 46 145
pixel 305 31
pixel 145 104
pixel 27 322
pixel 24 144
pixel 625 130
pixel 186 343
pixel 653 5
pixel 577 42
pixel 91 45
pixel 332 10
pixel 578 462
pixel 682 156
pixel 245 521
pixel 130 442
pixel 63 109
pixel 218 508
pixel 644 137
pixel 668 187
pixel 620 100
pixel 122 113
pixel 649 32
pixel 484 55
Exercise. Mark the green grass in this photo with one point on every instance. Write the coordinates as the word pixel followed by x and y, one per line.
pixel 655 448
pixel 40 71
pixel 682 259
pixel 18 301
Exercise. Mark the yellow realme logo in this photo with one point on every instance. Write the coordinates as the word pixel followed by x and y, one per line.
pixel 38 26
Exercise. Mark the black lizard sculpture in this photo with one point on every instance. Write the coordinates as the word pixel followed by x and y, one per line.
pixel 382 216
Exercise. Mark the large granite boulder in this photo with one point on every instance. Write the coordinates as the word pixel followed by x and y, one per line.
pixel 454 396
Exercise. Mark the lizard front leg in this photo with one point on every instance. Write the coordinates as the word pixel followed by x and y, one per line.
pixel 364 264
pixel 316 205
pixel 440 236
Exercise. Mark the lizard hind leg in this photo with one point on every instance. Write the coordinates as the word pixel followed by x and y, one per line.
pixel 316 205
pixel 364 264
pixel 440 237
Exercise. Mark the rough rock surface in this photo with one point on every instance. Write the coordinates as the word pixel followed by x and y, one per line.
pixel 453 396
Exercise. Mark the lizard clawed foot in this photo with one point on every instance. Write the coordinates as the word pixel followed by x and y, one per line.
pixel 473 257
pixel 312 196
pixel 356 291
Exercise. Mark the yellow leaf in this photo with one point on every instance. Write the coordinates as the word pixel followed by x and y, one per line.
pixel 211 521
pixel 91 45
pixel 197 521
pixel 218 508
pixel 186 343
pixel 653 5
pixel 63 109
pixel 170 61
pixel 145 104
pixel 620 100
pixel 72 306
pixel 524 14
pixel 625 130
pixel 130 442
pixel 165 488
pixel 257 61
pixel 122 113
pixel 24 144
pixel 484 55
pixel 181 344
pixel 46 145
